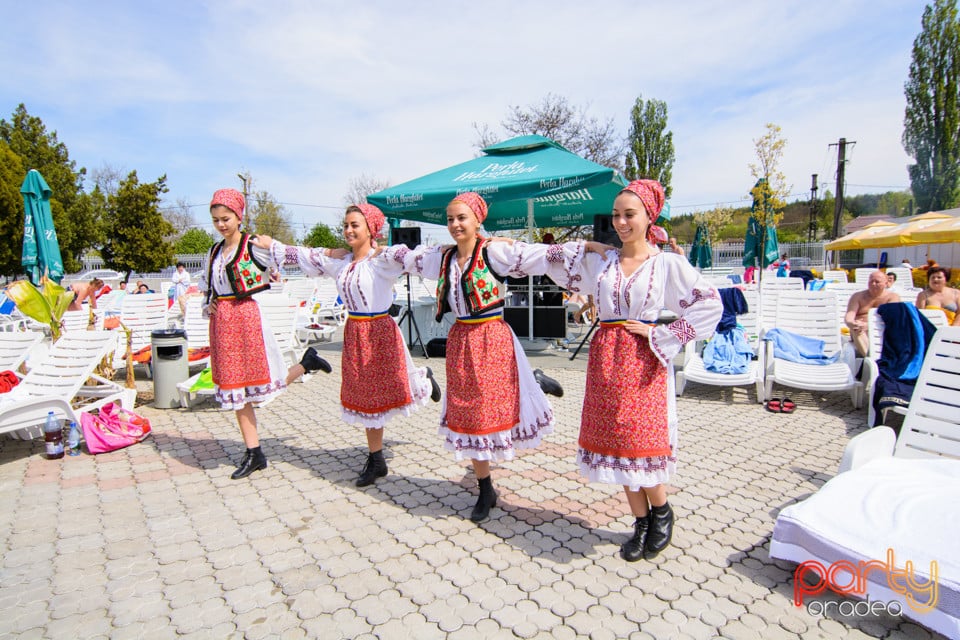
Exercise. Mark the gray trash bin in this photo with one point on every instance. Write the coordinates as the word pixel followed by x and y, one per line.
pixel 170 365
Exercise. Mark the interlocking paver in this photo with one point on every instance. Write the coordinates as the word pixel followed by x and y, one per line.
pixel 157 541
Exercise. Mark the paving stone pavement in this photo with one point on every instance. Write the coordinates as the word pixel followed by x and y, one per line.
pixel 156 540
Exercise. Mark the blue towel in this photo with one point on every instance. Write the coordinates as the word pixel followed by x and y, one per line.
pixel 906 335
pixel 728 352
pixel 796 348
pixel 734 304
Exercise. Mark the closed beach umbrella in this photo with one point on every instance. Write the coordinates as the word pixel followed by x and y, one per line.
pixel 41 250
pixel 759 241
pixel 701 255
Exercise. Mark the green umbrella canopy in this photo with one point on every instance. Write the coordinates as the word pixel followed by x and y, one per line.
pixel 41 250
pixel 565 189
pixel 701 255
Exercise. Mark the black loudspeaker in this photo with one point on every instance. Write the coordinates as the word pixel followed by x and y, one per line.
pixel 409 236
pixel 604 232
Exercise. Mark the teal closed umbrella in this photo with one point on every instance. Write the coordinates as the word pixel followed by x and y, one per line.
pixel 527 181
pixel 759 241
pixel 701 255
pixel 41 250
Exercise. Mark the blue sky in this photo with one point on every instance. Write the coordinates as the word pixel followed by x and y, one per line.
pixel 309 95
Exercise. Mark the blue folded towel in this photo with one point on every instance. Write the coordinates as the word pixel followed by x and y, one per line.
pixel 796 348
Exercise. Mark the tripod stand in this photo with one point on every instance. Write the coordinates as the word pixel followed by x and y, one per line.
pixel 411 324
pixel 586 337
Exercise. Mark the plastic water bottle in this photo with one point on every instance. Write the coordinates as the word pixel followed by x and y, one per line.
pixel 73 440
pixel 53 437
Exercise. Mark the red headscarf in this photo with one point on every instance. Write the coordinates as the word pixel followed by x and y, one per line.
pixel 375 220
pixel 476 203
pixel 231 199
pixel 651 195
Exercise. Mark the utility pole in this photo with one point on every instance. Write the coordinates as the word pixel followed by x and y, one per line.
pixel 841 164
pixel 812 230
pixel 243 179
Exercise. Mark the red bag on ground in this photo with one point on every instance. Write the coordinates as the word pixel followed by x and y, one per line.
pixel 113 428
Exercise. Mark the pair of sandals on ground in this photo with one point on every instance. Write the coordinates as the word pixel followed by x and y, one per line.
pixel 776 405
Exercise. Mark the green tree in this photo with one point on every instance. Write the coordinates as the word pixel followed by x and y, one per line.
pixel 76 220
pixel 931 124
pixel 136 230
pixel 650 146
pixel 269 217
pixel 11 211
pixel 770 191
pixel 322 235
pixel 194 240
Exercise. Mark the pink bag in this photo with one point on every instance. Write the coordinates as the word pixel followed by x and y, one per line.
pixel 113 428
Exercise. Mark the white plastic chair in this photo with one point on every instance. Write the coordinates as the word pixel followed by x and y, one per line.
pixel 871 371
pixel 770 290
pixel 862 275
pixel 280 314
pixel 694 369
pixel 58 383
pixel 197 328
pixel 141 314
pixel 894 492
pixel 835 275
pixel 812 314
pixel 15 348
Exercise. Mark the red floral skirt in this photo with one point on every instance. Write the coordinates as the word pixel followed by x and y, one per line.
pixel 482 385
pixel 238 356
pixel 625 404
pixel 374 366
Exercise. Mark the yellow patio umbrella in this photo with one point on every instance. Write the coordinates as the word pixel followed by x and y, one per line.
pixel 940 233
pixel 901 234
pixel 853 240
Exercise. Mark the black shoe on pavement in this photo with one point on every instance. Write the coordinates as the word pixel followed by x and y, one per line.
pixel 661 530
pixel 486 500
pixel 311 361
pixel 548 384
pixel 634 548
pixel 376 467
pixel 253 460
pixel 434 387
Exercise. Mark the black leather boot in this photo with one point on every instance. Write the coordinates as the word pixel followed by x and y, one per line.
pixel 311 361
pixel 434 387
pixel 633 549
pixel 486 499
pixel 253 460
pixel 661 530
pixel 548 384
pixel 376 467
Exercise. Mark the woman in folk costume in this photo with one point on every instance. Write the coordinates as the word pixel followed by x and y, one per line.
pixel 373 346
pixel 494 403
pixel 628 429
pixel 245 359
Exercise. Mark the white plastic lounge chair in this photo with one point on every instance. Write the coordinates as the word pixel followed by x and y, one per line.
pixel 770 291
pixel 280 314
pixel 141 314
pixel 871 369
pixel 197 328
pixel 58 384
pixel 694 369
pixel 812 314
pixel 15 347
pixel 894 493
pixel 862 275
pixel 835 275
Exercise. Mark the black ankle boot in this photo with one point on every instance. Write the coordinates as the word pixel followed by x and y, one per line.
pixel 253 460
pixel 661 530
pixel 311 361
pixel 486 499
pixel 376 467
pixel 548 384
pixel 633 549
pixel 434 387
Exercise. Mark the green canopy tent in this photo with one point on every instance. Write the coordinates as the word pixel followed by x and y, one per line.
pixel 41 250
pixel 529 181
pixel 513 176
pixel 759 241
pixel 701 255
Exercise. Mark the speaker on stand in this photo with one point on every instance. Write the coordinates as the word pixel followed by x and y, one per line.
pixel 409 236
pixel 604 232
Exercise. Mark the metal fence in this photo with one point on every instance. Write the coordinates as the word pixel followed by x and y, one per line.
pixel 801 254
